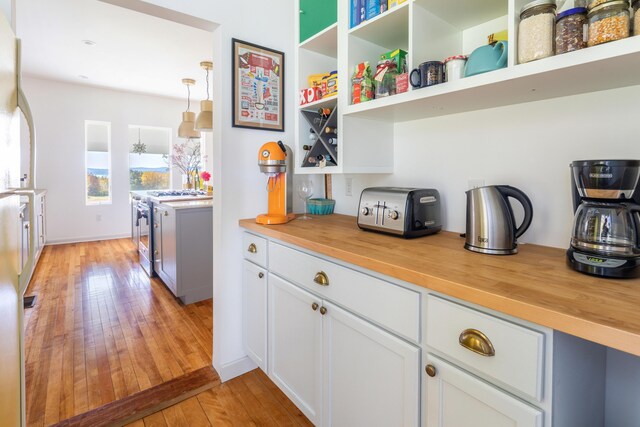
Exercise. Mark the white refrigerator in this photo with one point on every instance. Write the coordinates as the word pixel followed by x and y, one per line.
pixel 12 281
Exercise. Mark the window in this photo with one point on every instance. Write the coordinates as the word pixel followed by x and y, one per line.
pixel 97 137
pixel 148 168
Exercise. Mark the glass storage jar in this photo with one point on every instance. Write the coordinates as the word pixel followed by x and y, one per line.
pixel 454 67
pixel 608 21
pixel 636 18
pixel 571 30
pixel 535 32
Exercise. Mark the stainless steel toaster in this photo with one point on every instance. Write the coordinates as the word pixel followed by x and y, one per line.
pixel 406 212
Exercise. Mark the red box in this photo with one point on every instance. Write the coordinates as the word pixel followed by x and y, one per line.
pixel 402 82
pixel 310 95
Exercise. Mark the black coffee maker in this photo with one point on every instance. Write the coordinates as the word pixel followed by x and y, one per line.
pixel 606 226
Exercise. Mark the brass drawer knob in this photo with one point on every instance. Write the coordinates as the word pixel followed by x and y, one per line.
pixel 431 370
pixel 321 278
pixel 476 341
pixel 155 225
pixel 323 310
pixel 314 306
pixel 261 275
pixel 166 213
pixel 252 248
pixel 156 253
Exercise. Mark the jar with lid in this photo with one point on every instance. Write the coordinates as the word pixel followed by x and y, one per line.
pixel 535 32
pixel 454 67
pixel 385 79
pixel 608 21
pixel 571 30
pixel 636 18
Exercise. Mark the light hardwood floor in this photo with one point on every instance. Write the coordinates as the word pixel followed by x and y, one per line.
pixel 102 330
pixel 249 400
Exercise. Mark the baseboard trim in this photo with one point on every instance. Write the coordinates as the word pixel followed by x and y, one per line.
pixel 65 241
pixel 236 368
pixel 146 402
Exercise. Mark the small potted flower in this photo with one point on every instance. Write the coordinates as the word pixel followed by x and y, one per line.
pixel 206 176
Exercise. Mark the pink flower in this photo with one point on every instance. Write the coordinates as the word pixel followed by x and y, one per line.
pixel 206 176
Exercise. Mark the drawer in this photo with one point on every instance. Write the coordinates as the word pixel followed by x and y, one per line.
pixel 391 306
pixel 518 361
pixel 254 248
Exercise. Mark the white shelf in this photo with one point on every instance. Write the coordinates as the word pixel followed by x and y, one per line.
pixel 329 102
pixel 602 67
pixel 464 14
pixel 324 43
pixel 389 29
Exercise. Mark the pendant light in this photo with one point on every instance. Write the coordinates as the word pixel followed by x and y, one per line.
pixel 205 118
pixel 186 129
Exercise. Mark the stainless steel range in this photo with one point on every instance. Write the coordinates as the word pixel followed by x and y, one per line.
pixel 143 219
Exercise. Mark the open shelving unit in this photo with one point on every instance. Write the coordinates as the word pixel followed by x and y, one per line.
pixel 434 30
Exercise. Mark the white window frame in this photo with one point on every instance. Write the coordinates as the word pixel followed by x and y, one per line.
pixel 86 151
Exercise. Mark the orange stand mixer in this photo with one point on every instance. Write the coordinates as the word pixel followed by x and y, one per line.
pixel 274 161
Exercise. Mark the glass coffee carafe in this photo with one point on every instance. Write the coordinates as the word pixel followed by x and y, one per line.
pixel 607 228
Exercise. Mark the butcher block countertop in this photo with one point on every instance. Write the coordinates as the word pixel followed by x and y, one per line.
pixel 534 285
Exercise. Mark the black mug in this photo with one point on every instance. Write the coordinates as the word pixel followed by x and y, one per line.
pixel 428 74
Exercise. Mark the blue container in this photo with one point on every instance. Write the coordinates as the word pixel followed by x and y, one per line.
pixel 320 206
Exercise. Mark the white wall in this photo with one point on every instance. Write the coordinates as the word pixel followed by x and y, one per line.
pixel 528 146
pixel 60 110
pixel 239 187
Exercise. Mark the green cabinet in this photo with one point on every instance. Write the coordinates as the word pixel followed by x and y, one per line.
pixel 316 15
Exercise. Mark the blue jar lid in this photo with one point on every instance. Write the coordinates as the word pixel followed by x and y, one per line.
pixel 571 12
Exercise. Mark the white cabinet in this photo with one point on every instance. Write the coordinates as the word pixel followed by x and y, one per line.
pixel 254 306
pixel 327 359
pixel 295 347
pixel 183 250
pixel 455 398
pixel 371 378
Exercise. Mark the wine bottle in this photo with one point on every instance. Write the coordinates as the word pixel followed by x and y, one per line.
pixel 307 147
pixel 329 129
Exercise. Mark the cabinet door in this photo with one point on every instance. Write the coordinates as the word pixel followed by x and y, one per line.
pixel 371 378
pixel 315 16
pixel 168 266
pixel 295 345
pixel 254 300
pixel 456 398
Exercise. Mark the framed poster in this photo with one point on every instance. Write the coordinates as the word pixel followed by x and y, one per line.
pixel 258 86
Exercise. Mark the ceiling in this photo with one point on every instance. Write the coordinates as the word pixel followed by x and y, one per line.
pixel 132 51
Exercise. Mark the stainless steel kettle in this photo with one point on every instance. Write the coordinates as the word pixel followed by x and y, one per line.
pixel 491 226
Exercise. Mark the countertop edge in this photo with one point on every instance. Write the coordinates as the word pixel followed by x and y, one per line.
pixel 600 333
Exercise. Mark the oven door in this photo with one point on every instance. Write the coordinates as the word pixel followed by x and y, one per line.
pixel 144 246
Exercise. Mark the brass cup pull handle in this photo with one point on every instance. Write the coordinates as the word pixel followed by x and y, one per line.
pixel 476 341
pixel 431 370
pixel 323 310
pixel 314 306
pixel 252 248
pixel 261 275
pixel 321 278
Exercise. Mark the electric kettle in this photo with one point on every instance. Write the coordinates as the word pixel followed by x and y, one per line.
pixel 491 225
pixel 486 58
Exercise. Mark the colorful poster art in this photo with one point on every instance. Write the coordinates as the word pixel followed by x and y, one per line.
pixel 258 87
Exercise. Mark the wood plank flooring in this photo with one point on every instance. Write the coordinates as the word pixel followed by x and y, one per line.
pixel 249 400
pixel 101 330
